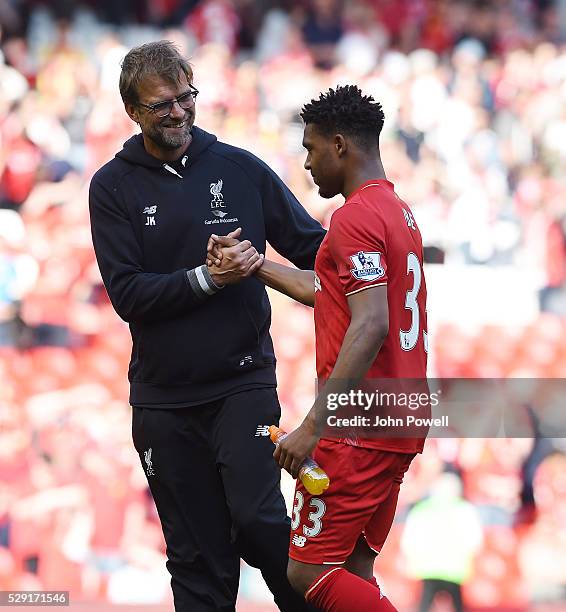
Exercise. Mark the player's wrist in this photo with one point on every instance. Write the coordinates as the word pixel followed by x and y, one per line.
pixel 309 424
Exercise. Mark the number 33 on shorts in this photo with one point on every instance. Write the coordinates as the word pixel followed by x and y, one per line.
pixel 314 518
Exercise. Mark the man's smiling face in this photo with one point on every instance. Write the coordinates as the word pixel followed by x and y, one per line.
pixel 164 137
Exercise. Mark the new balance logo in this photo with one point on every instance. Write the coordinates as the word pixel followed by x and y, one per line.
pixel 150 211
pixel 262 430
pixel 299 541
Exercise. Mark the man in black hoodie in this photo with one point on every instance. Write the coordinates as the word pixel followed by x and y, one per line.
pixel 202 370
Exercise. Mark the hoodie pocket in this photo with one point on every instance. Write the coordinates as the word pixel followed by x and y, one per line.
pixel 259 315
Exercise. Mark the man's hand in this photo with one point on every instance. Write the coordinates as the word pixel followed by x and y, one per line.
pixel 296 446
pixel 215 244
pixel 229 260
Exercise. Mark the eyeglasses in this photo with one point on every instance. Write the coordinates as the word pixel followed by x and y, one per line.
pixel 163 109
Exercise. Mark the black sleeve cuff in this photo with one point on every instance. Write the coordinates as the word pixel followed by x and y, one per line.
pixel 201 282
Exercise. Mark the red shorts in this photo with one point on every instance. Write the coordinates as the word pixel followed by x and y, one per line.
pixel 361 499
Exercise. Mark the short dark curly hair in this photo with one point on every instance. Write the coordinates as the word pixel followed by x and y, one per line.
pixel 346 110
pixel 161 58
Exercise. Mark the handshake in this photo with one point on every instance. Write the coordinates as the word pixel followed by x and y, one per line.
pixel 229 261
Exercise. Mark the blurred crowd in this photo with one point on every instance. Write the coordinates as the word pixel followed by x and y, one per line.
pixel 474 95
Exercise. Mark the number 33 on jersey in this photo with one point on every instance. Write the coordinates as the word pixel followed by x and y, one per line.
pixel 374 240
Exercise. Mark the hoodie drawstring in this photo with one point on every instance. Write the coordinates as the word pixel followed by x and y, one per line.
pixel 172 170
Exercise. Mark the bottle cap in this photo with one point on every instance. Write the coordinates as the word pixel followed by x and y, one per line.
pixel 275 433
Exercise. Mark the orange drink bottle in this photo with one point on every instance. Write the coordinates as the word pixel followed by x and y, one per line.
pixel 313 477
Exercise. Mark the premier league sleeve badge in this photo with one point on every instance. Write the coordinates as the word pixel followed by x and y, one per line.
pixel 367 266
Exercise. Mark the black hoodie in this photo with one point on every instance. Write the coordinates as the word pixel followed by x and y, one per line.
pixel 150 224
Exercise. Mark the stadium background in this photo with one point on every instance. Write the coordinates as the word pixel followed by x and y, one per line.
pixel 475 140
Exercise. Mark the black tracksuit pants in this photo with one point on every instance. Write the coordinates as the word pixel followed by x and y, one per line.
pixel 217 492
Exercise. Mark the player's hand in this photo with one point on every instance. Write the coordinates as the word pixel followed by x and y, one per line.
pixel 238 262
pixel 215 244
pixel 295 448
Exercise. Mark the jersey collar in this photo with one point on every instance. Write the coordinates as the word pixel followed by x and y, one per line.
pixel 373 182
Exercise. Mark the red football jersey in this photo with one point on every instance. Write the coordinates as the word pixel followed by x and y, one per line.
pixel 374 240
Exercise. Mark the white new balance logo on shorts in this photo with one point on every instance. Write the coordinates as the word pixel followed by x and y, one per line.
pixel 299 541
pixel 262 430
